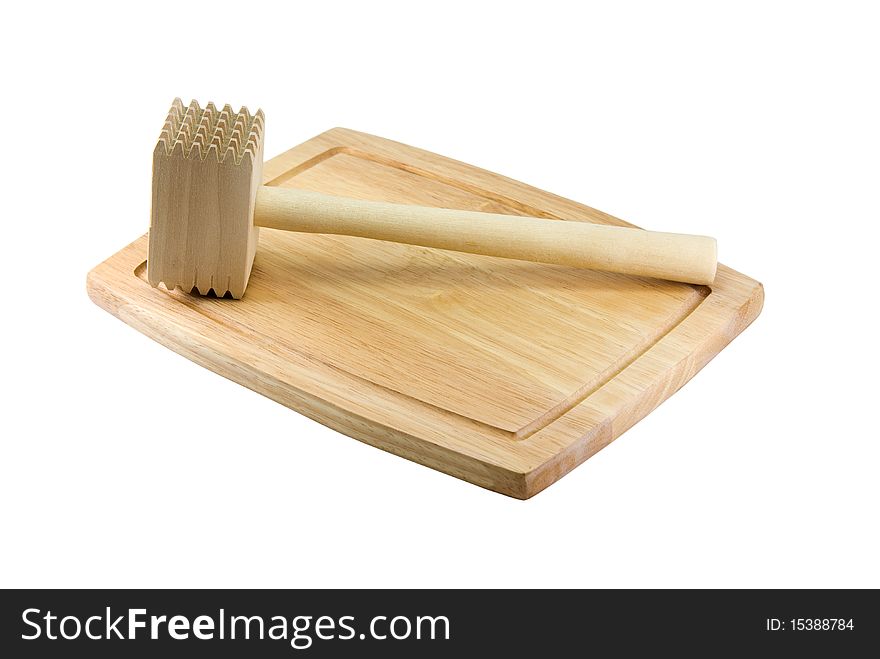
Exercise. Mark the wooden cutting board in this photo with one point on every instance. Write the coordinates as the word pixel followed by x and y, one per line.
pixel 503 373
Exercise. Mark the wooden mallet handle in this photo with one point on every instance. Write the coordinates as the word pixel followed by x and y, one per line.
pixel 674 256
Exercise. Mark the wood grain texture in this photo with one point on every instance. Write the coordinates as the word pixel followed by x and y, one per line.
pixel 504 373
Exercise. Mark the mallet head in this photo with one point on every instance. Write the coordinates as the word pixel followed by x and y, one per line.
pixel 207 167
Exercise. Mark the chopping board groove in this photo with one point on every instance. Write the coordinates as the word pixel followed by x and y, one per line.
pixel 504 373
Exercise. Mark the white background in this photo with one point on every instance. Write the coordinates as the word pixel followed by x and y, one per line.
pixel 124 464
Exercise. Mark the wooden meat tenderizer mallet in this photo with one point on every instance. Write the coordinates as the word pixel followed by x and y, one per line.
pixel 208 203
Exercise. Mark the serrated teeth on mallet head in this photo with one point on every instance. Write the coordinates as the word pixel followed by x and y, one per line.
pixel 207 167
pixel 231 133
